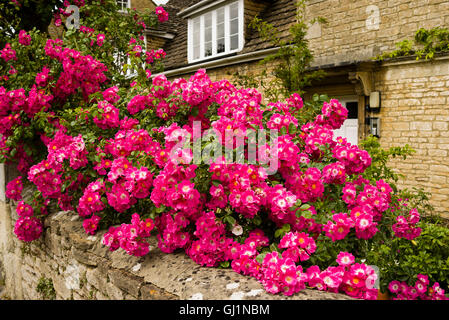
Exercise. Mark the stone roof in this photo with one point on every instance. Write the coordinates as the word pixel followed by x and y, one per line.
pixel 280 13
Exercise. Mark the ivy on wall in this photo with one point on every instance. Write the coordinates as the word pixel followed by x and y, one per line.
pixel 425 45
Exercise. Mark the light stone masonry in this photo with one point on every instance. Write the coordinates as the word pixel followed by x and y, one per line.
pixel 422 122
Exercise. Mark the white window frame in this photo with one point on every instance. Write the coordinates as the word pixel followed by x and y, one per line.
pixel 227 30
pixel 122 9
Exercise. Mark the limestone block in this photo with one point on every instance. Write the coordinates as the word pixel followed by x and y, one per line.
pixel 125 281
pixel 113 292
pixel 151 292
pixel 84 257
pixel 100 296
pixel 62 291
pixel 96 278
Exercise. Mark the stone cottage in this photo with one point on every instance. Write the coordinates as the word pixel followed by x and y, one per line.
pixel 403 100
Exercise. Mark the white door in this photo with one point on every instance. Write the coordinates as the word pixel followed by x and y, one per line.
pixel 350 128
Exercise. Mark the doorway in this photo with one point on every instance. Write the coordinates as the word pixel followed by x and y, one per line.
pixel 350 128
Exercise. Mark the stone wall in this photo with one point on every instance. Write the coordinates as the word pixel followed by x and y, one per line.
pixel 143 5
pixel 352 31
pixel 154 42
pixel 72 265
pixel 250 69
pixel 415 111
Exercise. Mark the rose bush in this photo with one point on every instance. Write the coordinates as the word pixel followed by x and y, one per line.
pixel 119 150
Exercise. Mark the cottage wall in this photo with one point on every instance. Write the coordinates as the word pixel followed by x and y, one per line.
pixel 415 111
pixel 362 29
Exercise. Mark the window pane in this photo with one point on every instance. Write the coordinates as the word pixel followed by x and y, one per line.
pixel 353 110
pixel 208 34
pixel 220 23
pixel 208 20
pixel 208 49
pixel 220 15
pixel 234 42
pixel 220 30
pixel 196 39
pixel 196 32
pixel 220 45
pixel 196 52
pixel 234 10
pixel 122 4
pixel 234 26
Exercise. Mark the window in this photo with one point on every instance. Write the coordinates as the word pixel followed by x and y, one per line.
pixel 121 59
pixel 216 32
pixel 123 5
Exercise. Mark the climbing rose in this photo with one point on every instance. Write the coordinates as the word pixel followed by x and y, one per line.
pixel 28 228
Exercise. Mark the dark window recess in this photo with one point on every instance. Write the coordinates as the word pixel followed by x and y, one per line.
pixel 353 110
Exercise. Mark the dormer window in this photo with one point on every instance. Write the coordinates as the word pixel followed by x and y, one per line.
pixel 123 5
pixel 216 32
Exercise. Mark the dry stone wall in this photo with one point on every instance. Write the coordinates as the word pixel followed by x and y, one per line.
pixel 66 263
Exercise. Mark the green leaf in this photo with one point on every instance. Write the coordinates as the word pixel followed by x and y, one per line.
pixel 323 97
pixel 230 220
pixel 257 220
pixel 195 111
pixel 292 128
pixel 216 183
pixel 283 131
pixel 65 185
pixel 278 233
pixel 260 257
pixel 307 214
pixel 282 231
